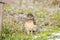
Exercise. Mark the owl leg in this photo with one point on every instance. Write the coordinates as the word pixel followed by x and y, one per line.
pixel 27 31
pixel 31 31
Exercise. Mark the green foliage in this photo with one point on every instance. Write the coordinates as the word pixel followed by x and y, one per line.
pixel 38 22
pixel 57 16
pixel 7 8
pixel 21 11
pixel 11 31
pixel 42 13
pixel 30 10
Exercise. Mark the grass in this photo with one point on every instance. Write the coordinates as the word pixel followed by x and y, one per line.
pixel 7 35
pixel 15 34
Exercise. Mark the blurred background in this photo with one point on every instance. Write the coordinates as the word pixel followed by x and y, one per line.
pixel 46 14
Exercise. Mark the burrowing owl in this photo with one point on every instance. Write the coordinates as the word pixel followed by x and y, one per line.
pixel 30 23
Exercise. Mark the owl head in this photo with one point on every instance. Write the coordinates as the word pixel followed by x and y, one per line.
pixel 30 16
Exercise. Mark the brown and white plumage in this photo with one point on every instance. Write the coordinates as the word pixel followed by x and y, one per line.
pixel 30 23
